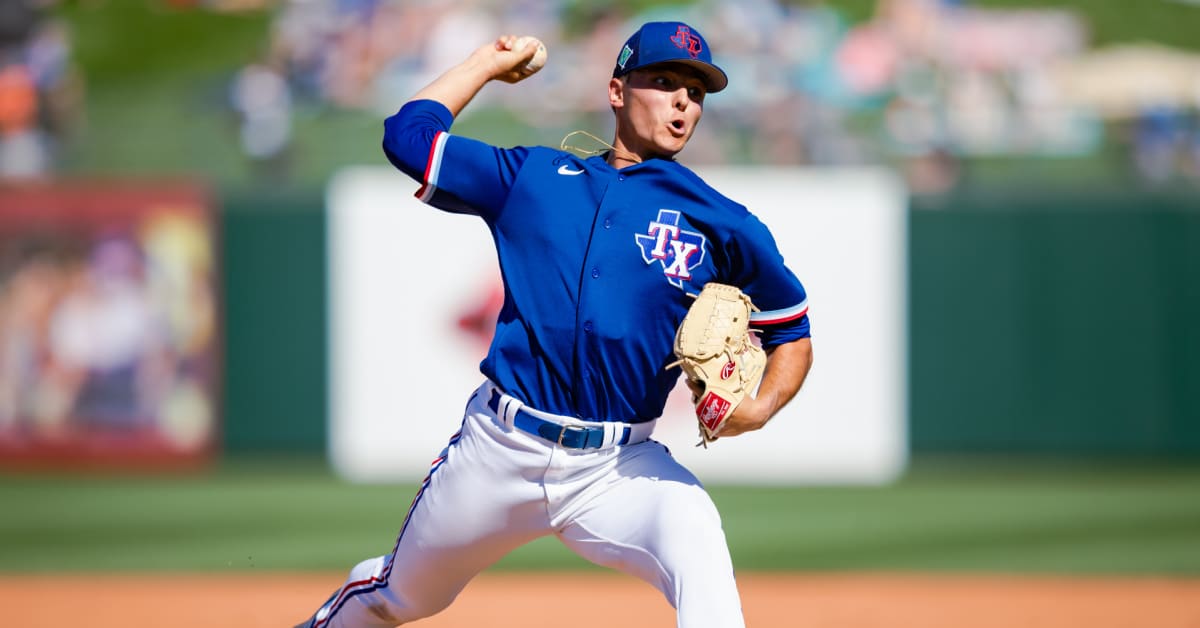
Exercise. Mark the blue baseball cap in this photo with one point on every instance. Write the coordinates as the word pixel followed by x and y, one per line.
pixel 670 42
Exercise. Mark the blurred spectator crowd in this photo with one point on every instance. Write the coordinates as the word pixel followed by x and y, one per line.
pixel 922 84
pixel 925 85
pixel 39 92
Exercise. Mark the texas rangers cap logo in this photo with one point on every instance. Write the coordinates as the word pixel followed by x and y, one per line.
pixel 685 39
pixel 676 250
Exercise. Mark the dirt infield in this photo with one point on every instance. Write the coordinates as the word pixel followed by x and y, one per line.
pixel 558 600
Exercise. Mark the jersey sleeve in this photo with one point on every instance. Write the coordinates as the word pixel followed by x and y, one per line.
pixel 760 271
pixel 457 174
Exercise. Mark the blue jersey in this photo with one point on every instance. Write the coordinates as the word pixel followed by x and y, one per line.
pixel 597 263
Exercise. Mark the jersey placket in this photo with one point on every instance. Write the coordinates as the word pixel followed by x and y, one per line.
pixel 591 294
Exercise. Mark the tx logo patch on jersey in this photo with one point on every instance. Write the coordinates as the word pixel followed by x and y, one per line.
pixel 678 251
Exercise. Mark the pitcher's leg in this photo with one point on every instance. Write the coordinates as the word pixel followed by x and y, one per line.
pixel 654 520
pixel 470 512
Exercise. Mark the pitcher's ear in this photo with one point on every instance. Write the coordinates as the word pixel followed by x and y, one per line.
pixel 616 92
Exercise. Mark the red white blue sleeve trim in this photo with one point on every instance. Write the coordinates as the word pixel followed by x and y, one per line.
pixel 433 167
pixel 774 317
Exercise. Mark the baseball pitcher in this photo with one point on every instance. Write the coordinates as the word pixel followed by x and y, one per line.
pixel 622 270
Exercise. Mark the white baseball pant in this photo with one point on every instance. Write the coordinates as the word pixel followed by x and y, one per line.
pixel 494 488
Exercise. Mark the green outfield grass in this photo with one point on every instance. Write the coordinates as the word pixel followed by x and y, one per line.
pixel 997 515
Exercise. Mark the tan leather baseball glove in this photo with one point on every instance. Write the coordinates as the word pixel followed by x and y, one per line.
pixel 717 354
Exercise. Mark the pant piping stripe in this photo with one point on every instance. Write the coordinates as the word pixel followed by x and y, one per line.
pixel 374 583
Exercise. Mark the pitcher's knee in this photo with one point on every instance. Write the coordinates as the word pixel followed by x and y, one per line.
pixel 401 604
pixel 420 608
pixel 692 537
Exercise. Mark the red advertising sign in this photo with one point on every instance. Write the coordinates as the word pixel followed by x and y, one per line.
pixel 109 326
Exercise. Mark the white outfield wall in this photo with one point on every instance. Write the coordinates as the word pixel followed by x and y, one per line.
pixel 403 274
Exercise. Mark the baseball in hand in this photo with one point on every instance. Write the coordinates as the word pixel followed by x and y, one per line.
pixel 539 57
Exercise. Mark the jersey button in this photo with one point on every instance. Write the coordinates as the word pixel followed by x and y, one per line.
pixel 587 327
pixel 608 223
pixel 595 273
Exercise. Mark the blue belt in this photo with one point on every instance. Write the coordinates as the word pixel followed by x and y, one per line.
pixel 569 436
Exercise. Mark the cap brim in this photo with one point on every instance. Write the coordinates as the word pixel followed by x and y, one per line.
pixel 715 79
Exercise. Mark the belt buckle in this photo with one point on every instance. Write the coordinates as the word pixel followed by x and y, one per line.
pixel 573 428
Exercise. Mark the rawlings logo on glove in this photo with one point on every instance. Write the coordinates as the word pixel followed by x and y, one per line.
pixel 721 362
